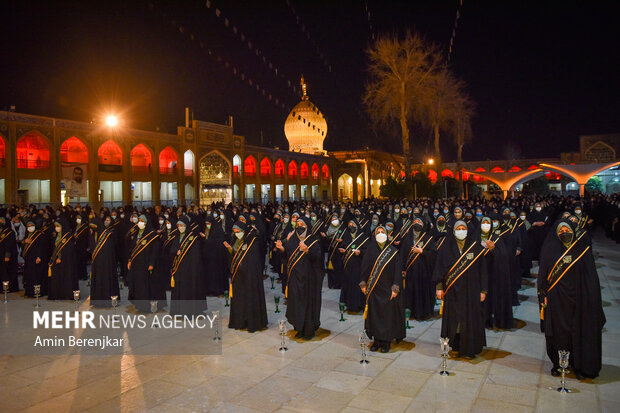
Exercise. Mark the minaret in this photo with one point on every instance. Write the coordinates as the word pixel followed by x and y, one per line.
pixel 303 88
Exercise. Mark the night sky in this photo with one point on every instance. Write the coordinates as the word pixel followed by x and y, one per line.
pixel 541 73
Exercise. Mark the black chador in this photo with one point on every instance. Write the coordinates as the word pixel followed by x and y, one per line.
pixel 354 244
pixel 8 255
pixel 188 280
pixel 81 236
pixel 498 303
pixel 143 257
pixel 572 315
pixel 169 248
pixel 103 272
pixel 334 260
pixel 62 279
pixel 216 255
pixel 247 293
pixel 462 276
pixel 419 291
pixel 35 253
pixel 382 278
pixel 304 270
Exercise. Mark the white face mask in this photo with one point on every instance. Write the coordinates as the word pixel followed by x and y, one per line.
pixel 78 220
pixel 161 222
pixel 460 234
pixel 168 226
pixel 30 228
pixel 538 209
pixel 495 224
pixel 134 219
pixel 285 220
pixel 222 216
pixel 578 211
pixel 485 227
pixel 122 216
pixel 381 237
pixel 181 228
pixel 141 225
pixel 335 222
pixel 522 217
pixel 239 235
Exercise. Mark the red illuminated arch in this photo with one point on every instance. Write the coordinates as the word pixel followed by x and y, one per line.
pixel 480 169
pixel 514 169
pixel 315 171
pixel 279 168
pixel 168 161
pixel 110 154
pixel 265 167
pixel 533 167
pixel 2 152
pixel 325 171
pixel 141 160
pixel 249 166
pixel 292 169
pixel 497 169
pixel 446 173
pixel 432 175
pixel 466 176
pixel 304 170
pixel 73 150
pixel 33 151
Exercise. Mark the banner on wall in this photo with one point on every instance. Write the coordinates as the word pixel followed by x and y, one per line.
pixel 74 177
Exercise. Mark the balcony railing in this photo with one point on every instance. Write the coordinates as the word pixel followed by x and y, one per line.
pixel 141 169
pixel 188 172
pixel 250 174
pixel 110 168
pixel 164 170
pixel 32 164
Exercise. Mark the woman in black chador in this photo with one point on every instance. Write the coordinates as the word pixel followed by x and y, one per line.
pixel 143 257
pixel 103 270
pixel 188 279
pixel 303 264
pixel 569 292
pixel 36 253
pixel 62 275
pixel 247 294
pixel 216 255
pixel 461 282
pixel 354 244
pixel 382 282
pixel 8 255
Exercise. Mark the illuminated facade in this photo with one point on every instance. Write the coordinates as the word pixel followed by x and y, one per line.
pixel 305 127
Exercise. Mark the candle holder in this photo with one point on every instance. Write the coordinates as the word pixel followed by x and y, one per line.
pixel 341 306
pixel 37 294
pixel 218 334
pixel 88 280
pixel 282 325
pixel 563 356
pixel 363 340
pixel 5 287
pixel 154 310
pixel 445 348
pixel 273 279
pixel 276 300
pixel 226 297
pixel 120 282
pixel 114 299
pixel 407 315
pixel 76 298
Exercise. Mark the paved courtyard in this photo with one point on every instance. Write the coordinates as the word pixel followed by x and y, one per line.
pixel 323 375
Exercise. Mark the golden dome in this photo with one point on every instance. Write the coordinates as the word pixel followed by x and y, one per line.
pixel 305 127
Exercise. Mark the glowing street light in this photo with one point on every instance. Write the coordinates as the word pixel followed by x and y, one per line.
pixel 431 161
pixel 111 121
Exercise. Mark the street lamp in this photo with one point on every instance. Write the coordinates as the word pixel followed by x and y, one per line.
pixel 431 161
pixel 111 121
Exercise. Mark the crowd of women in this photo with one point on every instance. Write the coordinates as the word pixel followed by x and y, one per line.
pixel 389 259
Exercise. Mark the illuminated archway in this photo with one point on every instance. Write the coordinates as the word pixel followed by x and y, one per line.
pixel 73 150
pixel 265 167
pixel 292 169
pixel 236 165
pixel 249 166
pixel 345 187
pixel 315 171
pixel 110 154
pixel 141 160
pixel 304 170
pixel 188 163
pixel 325 171
pixel 168 160
pixel 33 151
pixel 580 173
pixel 279 168
pixel 2 152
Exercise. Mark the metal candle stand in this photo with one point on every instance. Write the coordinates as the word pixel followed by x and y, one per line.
pixel 37 294
pixel 273 279
pixel 76 298
pixel 216 318
pixel 363 339
pixel 282 325
pixel 226 296
pixel 341 306
pixel 445 348
pixel 5 287
pixel 407 315
pixel 276 300
pixel 563 356
pixel 114 299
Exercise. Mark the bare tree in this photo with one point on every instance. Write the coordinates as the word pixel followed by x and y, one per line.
pixel 401 71
pixel 464 111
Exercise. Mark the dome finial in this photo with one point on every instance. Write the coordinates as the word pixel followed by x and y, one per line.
pixel 303 88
